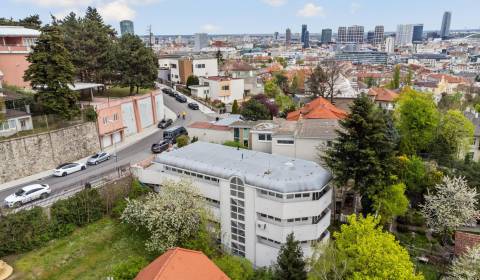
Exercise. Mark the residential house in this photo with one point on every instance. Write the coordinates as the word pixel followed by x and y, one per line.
pixel 225 89
pixel 15 44
pixel 439 84
pixel 178 68
pixel 243 70
pixel 319 108
pixel 118 118
pixel 12 120
pixel 181 264
pixel 217 132
pixel 385 98
pixel 257 198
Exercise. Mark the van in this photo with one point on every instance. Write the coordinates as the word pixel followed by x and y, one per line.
pixel 173 132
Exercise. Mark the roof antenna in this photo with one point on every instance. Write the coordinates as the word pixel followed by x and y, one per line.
pixel 242 156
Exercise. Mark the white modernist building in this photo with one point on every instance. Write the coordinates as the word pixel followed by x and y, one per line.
pixel 257 198
pixel 225 89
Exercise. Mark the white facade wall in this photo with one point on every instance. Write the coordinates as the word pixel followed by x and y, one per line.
pixel 171 63
pixel 160 107
pixel 210 135
pixel 205 67
pixel 128 118
pixel 260 145
pixel 236 89
pixel 257 250
pixel 145 112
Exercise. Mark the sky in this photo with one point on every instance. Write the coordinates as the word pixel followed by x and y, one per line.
pixel 169 17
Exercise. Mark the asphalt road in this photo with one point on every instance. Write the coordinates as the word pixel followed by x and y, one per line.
pixel 131 154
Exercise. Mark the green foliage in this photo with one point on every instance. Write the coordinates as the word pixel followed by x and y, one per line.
pixel 128 269
pixel 290 263
pixel 282 61
pixel 83 208
pixel 182 141
pixel 24 231
pixel 235 107
pixel 450 102
pixel 416 119
pixel 281 80
pixel 363 152
pixel 371 253
pixel 2 108
pixel 32 21
pixel 391 202
pixel 90 114
pixel 51 72
pixel 255 110
pixel 192 80
pixel 236 268
pixel 136 64
pixel 263 273
pixel 455 132
pixel 271 88
pixel 294 85
pixel 395 83
pixel 371 82
pixel 137 190
pixel 234 144
pixel 284 102
pixel 318 82
pixel 204 240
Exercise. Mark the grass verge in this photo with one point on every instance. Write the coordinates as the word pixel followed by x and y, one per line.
pixel 122 92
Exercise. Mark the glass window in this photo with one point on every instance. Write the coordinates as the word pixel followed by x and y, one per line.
pixel 261 137
pixel 269 137
pixel 289 196
pixel 285 142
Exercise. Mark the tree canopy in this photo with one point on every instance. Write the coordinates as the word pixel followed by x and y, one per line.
pixel 290 264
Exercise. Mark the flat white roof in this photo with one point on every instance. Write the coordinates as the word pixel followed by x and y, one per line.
pixel 272 172
pixel 17 31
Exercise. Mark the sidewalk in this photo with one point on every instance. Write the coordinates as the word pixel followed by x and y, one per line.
pixel 130 140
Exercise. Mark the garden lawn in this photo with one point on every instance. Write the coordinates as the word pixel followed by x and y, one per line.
pixel 89 253
pixel 122 92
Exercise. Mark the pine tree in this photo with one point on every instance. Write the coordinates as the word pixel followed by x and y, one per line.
pixel 363 152
pixel 235 108
pixel 51 72
pixel 290 264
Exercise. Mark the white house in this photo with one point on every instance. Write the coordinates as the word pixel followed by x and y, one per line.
pixel 178 68
pixel 257 198
pixel 225 89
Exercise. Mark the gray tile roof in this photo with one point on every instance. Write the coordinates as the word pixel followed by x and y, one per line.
pixel 317 128
pixel 267 171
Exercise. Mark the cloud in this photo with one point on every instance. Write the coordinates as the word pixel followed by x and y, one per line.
pixel 275 3
pixel 354 7
pixel 210 27
pixel 311 10
pixel 116 10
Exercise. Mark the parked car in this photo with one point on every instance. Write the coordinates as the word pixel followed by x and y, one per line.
pixel 173 132
pixel 180 98
pixel 68 168
pixel 165 123
pixel 168 91
pixel 161 146
pixel 98 158
pixel 193 106
pixel 26 194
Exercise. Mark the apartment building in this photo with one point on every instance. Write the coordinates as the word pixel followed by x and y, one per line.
pixel 243 70
pixel 177 69
pixel 15 44
pixel 225 89
pixel 404 35
pixel 257 198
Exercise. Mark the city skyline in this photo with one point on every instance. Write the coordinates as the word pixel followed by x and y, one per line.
pixel 276 15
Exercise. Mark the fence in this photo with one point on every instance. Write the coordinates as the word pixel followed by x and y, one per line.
pixel 94 182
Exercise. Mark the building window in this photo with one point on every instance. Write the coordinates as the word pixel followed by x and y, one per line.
pixel 225 87
pixel 174 66
pixel 236 134
pixel 318 195
pixel 115 117
pixel 12 123
pixel 264 137
pixel 285 142
pixel 237 214
pixel 105 120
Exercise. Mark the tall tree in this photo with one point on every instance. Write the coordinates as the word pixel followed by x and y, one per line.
pixel 395 82
pixel 466 266
pixel 452 204
pixel 192 80
pixel 317 82
pixel 51 72
pixel 255 110
pixel 235 107
pixel 456 132
pixel 371 253
pixel 137 64
pixel 417 120
pixel 333 70
pixel 390 202
pixel 362 154
pixel 271 88
pixel 32 21
pixel 290 264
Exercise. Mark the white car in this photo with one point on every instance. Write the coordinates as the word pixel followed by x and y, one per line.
pixel 68 168
pixel 26 194
pixel 98 158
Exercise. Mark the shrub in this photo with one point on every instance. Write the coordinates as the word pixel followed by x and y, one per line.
pixel 182 141
pixel 24 231
pixel 402 228
pixel 234 144
pixel 128 269
pixel 137 190
pixel 236 268
pixel 90 114
pixel 83 208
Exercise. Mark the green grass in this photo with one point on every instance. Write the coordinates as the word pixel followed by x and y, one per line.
pixel 429 271
pixel 89 253
pixel 122 92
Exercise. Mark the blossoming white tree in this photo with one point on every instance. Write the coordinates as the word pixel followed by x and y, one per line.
pixel 452 204
pixel 171 217
pixel 467 266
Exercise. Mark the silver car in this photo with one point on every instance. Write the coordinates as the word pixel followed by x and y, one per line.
pixel 98 158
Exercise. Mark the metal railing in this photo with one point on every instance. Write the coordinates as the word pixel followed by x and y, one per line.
pixel 96 181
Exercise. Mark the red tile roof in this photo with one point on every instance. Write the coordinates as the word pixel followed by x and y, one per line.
pixel 319 108
pixel 449 78
pixel 207 125
pixel 382 94
pixel 181 264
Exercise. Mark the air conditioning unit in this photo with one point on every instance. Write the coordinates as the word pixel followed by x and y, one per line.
pixel 261 225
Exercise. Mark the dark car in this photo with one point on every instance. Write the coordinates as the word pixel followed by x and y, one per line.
pixel 193 106
pixel 165 123
pixel 173 132
pixel 168 91
pixel 161 146
pixel 180 98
